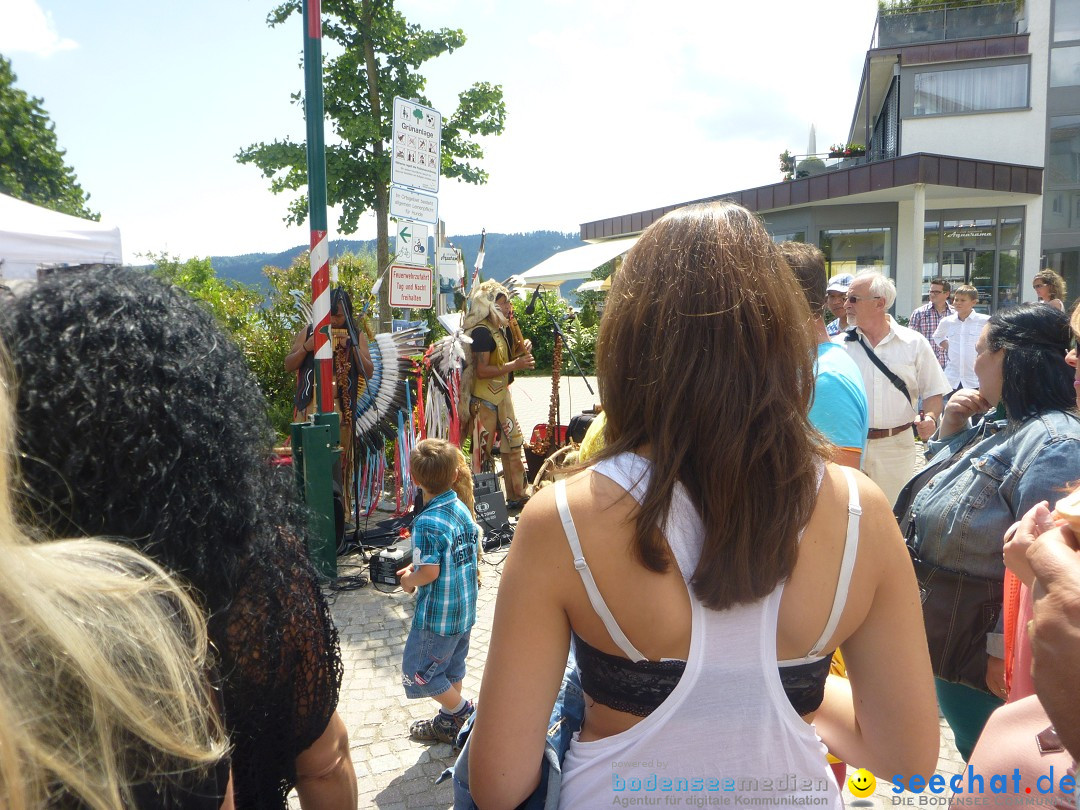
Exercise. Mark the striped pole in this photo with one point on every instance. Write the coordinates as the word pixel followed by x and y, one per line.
pixel 321 439
pixel 316 160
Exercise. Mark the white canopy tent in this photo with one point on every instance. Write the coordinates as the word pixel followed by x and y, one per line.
pixel 32 237
pixel 575 264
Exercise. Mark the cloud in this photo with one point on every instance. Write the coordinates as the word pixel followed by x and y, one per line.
pixel 26 28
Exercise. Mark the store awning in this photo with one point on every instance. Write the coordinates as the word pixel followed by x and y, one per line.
pixel 578 263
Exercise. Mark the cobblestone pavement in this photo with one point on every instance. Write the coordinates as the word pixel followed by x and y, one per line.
pixel 393 772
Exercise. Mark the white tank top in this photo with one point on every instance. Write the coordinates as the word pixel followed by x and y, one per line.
pixel 727 729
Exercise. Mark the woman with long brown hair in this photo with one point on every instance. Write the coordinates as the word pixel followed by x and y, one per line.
pixel 704 608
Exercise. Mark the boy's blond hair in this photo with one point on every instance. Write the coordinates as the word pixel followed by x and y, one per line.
pixel 968 291
pixel 434 465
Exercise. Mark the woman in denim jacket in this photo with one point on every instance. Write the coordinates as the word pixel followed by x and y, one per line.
pixel 1004 468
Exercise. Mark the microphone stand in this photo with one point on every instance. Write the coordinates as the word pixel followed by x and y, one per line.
pixel 557 330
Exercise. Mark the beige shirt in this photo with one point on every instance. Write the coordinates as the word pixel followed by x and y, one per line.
pixel 909 356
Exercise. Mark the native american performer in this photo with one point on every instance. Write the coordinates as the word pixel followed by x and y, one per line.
pixel 352 368
pixel 486 385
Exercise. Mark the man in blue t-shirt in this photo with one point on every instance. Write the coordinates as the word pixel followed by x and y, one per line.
pixel 840 409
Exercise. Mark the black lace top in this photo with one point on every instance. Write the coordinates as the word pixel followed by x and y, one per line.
pixel 639 687
pixel 281 670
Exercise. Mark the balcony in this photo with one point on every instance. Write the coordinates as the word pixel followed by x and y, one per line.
pixel 800 166
pixel 908 24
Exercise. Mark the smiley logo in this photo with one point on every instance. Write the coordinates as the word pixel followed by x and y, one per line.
pixel 861 783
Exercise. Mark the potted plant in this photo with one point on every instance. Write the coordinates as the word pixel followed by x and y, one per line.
pixel 787 164
pixel 846 150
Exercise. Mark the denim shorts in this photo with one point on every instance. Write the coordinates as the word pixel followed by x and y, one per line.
pixel 432 663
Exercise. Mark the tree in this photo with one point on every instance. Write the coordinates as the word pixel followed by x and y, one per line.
pixel 32 166
pixel 380 55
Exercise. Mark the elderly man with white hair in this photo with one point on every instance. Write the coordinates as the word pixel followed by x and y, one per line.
pixel 899 368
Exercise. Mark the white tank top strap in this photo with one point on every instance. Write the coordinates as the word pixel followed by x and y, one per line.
pixel 629 471
pixel 847 565
pixel 582 567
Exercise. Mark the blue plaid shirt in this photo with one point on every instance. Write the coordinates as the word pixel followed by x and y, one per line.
pixel 444 534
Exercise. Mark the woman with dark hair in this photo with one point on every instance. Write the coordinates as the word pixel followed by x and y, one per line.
pixel 138 418
pixel 702 625
pixel 993 473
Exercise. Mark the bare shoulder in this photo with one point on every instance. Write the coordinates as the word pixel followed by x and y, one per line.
pixel 539 537
pixel 541 527
pixel 878 528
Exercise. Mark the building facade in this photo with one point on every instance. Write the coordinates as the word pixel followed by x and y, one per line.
pixel 970 116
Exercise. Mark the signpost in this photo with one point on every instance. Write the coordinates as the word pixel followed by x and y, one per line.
pixel 408 203
pixel 417 146
pixel 410 287
pixel 451 270
pixel 411 245
pixel 415 167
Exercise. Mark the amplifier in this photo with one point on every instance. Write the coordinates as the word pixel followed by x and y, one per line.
pixel 484 484
pixel 386 562
pixel 491 511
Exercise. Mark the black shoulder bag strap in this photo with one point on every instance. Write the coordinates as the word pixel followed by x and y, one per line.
pixel 852 336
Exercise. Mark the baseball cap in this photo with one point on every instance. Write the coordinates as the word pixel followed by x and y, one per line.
pixel 840 283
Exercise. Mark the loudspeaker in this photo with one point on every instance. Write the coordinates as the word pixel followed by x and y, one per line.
pixel 386 562
pixel 485 484
pixel 491 510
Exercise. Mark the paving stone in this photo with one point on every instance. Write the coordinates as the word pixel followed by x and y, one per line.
pixel 384 764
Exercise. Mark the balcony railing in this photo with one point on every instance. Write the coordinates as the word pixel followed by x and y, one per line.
pixel 944 22
pixel 821 163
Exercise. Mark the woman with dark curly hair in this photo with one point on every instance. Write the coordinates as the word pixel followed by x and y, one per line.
pixel 138 418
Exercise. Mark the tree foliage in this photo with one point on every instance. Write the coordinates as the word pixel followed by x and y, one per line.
pixel 380 54
pixel 537 327
pixel 32 166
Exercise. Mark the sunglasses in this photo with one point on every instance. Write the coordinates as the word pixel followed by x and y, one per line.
pixel 854 299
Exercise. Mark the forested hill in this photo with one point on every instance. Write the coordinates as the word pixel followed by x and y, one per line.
pixel 505 254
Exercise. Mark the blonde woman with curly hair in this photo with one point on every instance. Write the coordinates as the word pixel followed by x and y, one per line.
pixel 1050 288
pixel 104 697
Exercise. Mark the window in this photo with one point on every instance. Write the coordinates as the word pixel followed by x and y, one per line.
pixel 1066 20
pixel 851 250
pixel 1061 211
pixel 1063 166
pixel 947 92
pixel 789 236
pixel 976 246
pixel 1065 67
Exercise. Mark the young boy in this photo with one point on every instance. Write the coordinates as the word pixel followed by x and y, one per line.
pixel 443 572
pixel 957 334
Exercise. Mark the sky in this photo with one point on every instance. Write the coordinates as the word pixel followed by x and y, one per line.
pixel 613 106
